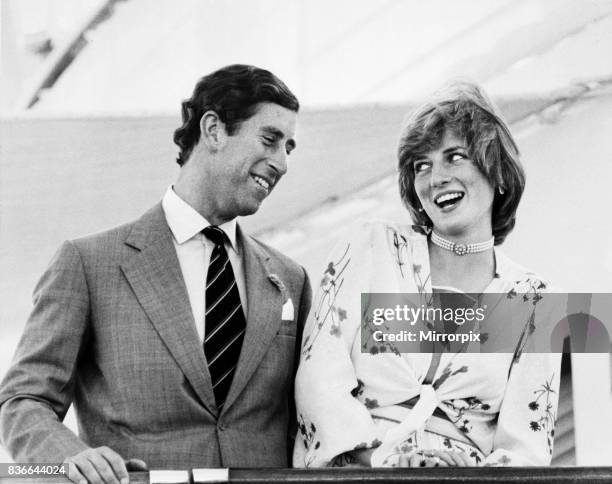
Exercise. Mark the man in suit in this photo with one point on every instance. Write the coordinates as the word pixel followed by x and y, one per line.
pixel 175 336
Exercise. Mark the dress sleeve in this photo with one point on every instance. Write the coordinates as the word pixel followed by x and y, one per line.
pixel 331 420
pixel 526 423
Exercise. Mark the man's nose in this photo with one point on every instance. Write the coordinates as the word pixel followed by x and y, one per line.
pixel 278 162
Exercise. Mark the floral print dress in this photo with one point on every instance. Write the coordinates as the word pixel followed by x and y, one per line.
pixel 498 408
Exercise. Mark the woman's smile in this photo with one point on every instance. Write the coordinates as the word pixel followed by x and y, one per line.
pixel 448 200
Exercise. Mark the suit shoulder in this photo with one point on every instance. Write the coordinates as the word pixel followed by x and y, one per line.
pixel 149 227
pixel 107 238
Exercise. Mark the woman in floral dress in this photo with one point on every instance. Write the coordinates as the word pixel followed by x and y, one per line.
pixel 366 404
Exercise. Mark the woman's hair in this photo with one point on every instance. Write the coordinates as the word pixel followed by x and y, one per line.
pixel 234 93
pixel 464 109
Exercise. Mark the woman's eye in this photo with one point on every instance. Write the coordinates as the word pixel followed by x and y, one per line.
pixel 457 157
pixel 421 166
pixel 268 141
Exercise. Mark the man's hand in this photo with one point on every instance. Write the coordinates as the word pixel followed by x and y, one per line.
pixel 101 466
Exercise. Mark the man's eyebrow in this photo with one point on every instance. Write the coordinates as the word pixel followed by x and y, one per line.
pixel 279 134
pixel 273 131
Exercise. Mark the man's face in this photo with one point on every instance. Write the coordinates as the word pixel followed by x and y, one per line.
pixel 250 162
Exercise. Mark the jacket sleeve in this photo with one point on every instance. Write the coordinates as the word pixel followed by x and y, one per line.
pixel 37 391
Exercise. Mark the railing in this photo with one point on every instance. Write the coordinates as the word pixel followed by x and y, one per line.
pixel 481 475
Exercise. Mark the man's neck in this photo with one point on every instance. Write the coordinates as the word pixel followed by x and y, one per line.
pixel 189 189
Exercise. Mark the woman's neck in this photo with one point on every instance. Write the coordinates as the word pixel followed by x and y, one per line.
pixel 470 273
pixel 475 236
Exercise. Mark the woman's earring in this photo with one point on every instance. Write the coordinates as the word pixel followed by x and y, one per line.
pixel 420 209
pixel 500 190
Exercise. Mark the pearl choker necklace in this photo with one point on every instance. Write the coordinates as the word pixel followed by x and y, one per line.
pixel 461 249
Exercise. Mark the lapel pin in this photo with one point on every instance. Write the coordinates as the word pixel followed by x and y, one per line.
pixel 274 279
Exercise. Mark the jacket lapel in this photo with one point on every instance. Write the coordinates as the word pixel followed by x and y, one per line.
pixel 156 279
pixel 264 301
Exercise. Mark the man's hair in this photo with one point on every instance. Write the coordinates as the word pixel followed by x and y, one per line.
pixel 233 92
pixel 464 109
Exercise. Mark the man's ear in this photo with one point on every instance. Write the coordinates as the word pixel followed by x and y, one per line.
pixel 212 130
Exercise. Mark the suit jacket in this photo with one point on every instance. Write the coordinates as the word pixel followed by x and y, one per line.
pixel 112 332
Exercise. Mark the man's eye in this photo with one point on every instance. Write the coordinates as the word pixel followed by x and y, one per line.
pixel 269 141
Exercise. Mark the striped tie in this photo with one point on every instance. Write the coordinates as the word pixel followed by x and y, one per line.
pixel 225 323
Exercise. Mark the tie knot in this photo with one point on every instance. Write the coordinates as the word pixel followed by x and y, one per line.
pixel 214 234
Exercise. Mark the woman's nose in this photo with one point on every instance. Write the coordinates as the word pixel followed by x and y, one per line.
pixel 439 175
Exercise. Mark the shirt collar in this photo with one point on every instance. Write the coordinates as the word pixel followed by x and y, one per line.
pixel 185 222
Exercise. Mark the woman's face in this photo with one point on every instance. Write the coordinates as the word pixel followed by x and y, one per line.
pixel 453 192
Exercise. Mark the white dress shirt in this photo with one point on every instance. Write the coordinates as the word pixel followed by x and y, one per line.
pixel 193 250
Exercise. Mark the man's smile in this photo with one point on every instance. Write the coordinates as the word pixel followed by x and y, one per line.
pixel 262 182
